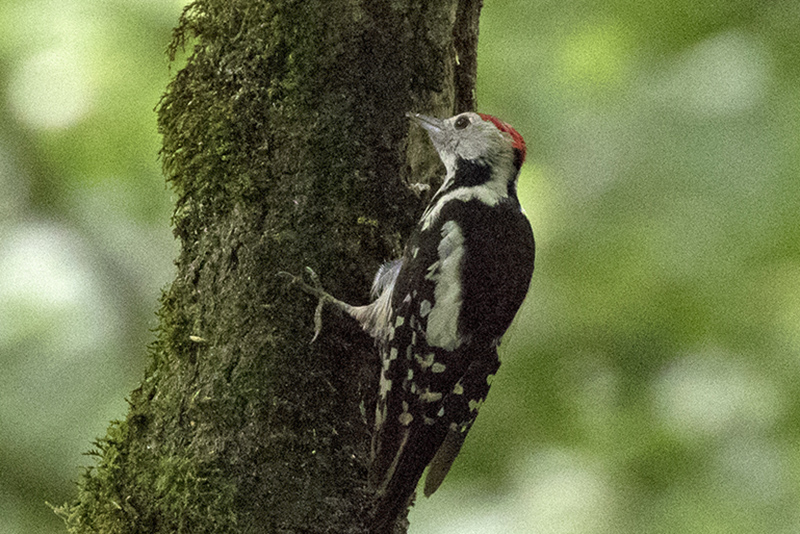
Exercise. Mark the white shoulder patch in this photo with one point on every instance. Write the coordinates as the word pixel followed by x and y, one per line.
pixel 442 330
pixel 490 194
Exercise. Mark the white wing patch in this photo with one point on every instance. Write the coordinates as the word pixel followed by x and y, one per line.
pixel 442 330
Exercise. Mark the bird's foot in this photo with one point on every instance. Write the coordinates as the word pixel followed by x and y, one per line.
pixel 314 290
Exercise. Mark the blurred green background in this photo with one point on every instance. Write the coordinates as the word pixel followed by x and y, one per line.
pixel 651 382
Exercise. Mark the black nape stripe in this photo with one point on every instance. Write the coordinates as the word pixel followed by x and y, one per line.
pixel 512 189
pixel 517 158
pixel 470 173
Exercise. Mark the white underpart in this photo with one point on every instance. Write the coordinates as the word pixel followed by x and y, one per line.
pixel 442 330
pixel 374 317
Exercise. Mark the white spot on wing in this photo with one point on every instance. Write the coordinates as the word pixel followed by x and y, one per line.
pixel 432 271
pixel 425 362
pixel 385 387
pixel 424 308
pixel 474 405
pixel 405 418
pixel 430 396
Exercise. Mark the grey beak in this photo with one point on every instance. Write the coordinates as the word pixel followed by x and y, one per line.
pixel 429 123
pixel 434 126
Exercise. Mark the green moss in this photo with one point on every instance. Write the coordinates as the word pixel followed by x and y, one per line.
pixel 284 140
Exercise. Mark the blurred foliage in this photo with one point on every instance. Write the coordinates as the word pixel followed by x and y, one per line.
pixel 650 383
pixel 85 239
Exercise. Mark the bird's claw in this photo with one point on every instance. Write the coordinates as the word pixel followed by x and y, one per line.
pixel 314 290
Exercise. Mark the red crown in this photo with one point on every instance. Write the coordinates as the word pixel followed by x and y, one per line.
pixel 516 139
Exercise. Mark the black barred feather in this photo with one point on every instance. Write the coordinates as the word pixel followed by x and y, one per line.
pixel 463 276
pixel 441 311
pixel 431 394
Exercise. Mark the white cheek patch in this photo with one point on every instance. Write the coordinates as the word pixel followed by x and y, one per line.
pixel 442 330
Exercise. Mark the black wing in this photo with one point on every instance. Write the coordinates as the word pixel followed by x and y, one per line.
pixel 430 395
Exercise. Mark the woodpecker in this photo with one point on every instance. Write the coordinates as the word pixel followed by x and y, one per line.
pixel 440 311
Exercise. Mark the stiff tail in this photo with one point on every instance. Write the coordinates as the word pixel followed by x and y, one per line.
pixel 443 460
pixel 395 487
pixel 401 452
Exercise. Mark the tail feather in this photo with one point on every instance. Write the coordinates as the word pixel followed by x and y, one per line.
pixel 401 452
pixel 395 489
pixel 443 460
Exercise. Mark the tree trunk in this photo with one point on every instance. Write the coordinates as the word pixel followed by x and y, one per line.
pixel 286 142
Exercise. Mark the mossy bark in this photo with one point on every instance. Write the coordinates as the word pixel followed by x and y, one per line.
pixel 286 141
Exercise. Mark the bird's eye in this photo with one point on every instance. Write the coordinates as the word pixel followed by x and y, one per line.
pixel 462 122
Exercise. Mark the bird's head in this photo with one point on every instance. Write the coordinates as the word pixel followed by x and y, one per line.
pixel 474 137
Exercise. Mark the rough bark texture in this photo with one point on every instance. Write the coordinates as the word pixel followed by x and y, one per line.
pixel 285 138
